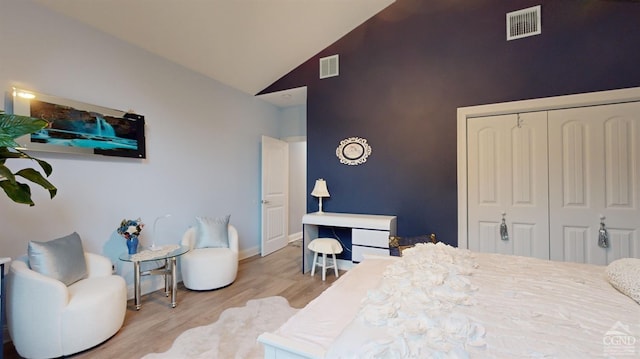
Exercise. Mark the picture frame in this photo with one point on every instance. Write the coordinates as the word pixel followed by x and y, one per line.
pixel 353 151
pixel 77 127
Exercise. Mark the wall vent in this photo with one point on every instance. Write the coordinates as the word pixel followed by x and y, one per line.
pixel 329 66
pixel 524 23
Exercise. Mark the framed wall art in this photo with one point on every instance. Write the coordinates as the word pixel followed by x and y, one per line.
pixel 353 151
pixel 76 127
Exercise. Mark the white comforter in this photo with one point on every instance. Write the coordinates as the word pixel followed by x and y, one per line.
pixel 461 304
pixel 414 312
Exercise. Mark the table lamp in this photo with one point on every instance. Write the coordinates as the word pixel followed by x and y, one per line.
pixel 153 244
pixel 320 190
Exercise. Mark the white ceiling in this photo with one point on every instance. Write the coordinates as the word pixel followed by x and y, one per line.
pixel 246 44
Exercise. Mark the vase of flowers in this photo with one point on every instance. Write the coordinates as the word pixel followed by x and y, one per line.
pixel 130 229
pixel 132 245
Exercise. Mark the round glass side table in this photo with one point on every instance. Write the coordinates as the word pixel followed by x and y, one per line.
pixel 168 269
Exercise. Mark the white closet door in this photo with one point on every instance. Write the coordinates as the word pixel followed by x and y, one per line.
pixel 594 171
pixel 508 172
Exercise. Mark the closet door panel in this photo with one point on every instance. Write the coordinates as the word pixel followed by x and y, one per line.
pixel 577 248
pixel 619 162
pixel 487 156
pixel 526 234
pixel 575 156
pixel 594 172
pixel 487 239
pixel 624 243
pixel 507 173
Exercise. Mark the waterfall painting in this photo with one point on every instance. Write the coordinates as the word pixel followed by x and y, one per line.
pixel 76 127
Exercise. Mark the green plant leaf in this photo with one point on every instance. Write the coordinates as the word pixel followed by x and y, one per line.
pixel 6 173
pixel 17 192
pixel 5 153
pixel 43 164
pixel 7 140
pixel 14 126
pixel 37 178
pixel 46 167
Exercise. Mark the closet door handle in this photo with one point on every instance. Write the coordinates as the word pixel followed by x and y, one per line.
pixel 603 234
pixel 504 232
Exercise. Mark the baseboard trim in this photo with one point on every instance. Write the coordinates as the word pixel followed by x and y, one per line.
pixel 295 236
pixel 254 251
pixel 249 252
pixel 148 284
pixel 344 264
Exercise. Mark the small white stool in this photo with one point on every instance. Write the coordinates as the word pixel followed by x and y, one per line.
pixel 325 246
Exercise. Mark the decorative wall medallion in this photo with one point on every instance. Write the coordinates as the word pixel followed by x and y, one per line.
pixel 353 151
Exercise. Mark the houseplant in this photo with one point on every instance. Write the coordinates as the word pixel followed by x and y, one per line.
pixel 12 127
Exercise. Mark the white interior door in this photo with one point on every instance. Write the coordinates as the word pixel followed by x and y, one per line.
pixel 507 173
pixel 595 171
pixel 275 195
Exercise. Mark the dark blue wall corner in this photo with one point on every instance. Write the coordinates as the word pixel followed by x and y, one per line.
pixel 404 73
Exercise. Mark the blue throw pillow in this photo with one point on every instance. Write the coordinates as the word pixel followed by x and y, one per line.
pixel 212 232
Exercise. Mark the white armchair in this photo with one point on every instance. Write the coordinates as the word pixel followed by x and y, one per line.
pixel 47 319
pixel 209 268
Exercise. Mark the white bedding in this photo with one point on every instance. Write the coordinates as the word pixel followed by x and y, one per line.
pixel 505 307
pixel 319 323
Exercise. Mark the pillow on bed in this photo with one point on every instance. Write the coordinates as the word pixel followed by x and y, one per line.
pixel 624 275
pixel 212 232
pixel 61 259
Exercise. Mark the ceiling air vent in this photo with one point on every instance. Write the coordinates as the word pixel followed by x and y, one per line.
pixel 329 66
pixel 523 23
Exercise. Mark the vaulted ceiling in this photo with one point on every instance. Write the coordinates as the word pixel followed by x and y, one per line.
pixel 245 44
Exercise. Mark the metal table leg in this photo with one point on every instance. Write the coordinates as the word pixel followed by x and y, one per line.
pixel 174 283
pixel 166 278
pixel 136 284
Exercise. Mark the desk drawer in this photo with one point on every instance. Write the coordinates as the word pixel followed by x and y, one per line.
pixel 369 237
pixel 359 251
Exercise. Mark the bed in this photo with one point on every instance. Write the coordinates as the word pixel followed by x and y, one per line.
pixel 443 302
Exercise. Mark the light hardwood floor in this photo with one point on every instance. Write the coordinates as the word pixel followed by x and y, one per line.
pixel 155 326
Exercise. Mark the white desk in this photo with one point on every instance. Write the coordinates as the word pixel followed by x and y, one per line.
pixel 369 233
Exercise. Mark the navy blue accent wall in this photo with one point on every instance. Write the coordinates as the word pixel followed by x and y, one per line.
pixel 404 73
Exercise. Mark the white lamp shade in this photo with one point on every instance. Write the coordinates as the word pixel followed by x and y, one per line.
pixel 320 189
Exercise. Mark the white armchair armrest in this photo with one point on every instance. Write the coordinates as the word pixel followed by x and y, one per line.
pixel 31 286
pixel 34 298
pixel 189 238
pixel 97 265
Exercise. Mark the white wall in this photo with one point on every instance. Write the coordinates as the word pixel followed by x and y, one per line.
pixel 294 131
pixel 294 121
pixel 297 187
pixel 203 139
